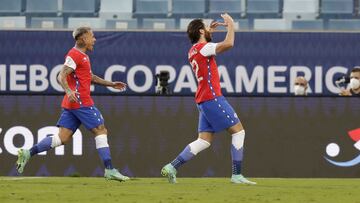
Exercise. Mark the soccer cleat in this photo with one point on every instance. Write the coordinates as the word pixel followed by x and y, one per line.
pixel 114 174
pixel 170 172
pixel 241 179
pixel 23 158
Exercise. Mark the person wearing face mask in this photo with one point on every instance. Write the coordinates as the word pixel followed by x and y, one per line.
pixel 301 86
pixel 354 84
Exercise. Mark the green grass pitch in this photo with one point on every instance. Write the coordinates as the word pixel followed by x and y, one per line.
pixel 67 189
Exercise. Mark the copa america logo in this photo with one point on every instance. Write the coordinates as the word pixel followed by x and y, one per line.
pixel 333 150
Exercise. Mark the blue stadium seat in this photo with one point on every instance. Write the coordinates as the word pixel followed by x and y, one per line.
pixel 337 8
pixel 307 25
pixel 151 8
pixel 42 8
pixel 301 9
pixel 47 23
pixel 159 24
pixel 184 22
pixel 11 7
pixel 94 23
pixel 271 24
pixel 116 9
pixel 233 7
pixel 13 22
pixel 344 24
pixel 264 8
pixel 122 24
pixel 81 8
pixel 188 8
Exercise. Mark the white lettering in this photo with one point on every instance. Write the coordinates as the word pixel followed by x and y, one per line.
pixel 34 77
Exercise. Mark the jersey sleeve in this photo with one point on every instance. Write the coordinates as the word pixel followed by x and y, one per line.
pixel 209 49
pixel 69 61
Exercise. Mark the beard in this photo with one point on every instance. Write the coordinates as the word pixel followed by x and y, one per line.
pixel 208 36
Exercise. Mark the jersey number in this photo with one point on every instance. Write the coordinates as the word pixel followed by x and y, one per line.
pixel 195 66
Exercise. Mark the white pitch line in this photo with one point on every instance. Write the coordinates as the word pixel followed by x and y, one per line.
pixel 20 178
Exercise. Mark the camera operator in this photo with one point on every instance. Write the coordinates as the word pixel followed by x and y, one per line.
pixel 354 84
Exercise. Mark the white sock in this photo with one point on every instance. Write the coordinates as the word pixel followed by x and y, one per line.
pixel 55 141
pixel 198 145
pixel 238 139
pixel 101 141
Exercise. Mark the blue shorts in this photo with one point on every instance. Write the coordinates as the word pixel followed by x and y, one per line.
pixel 216 115
pixel 71 119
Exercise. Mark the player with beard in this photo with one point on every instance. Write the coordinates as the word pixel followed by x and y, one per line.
pixel 215 113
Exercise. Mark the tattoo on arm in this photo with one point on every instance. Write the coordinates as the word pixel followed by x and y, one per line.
pixel 65 71
pixel 99 81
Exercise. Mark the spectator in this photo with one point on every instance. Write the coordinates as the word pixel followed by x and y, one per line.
pixel 354 85
pixel 301 86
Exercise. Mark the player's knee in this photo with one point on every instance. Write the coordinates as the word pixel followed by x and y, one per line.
pixel 63 140
pixel 100 130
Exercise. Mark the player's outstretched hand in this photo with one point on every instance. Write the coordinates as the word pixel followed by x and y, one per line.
pixel 72 96
pixel 120 86
pixel 227 19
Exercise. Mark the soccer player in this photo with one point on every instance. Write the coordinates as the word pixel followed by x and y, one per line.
pixel 215 113
pixel 78 106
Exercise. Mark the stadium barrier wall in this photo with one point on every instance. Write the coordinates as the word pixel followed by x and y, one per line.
pixel 285 136
pixel 260 64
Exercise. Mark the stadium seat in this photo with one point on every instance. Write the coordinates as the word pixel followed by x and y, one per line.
pixel 272 24
pixel 116 9
pixel 158 24
pixel 95 23
pixel 12 22
pixel 263 8
pixel 42 8
pixel 307 25
pixel 122 24
pixel 188 8
pixel 344 24
pixel 301 9
pixel 47 22
pixel 80 8
pixel 11 7
pixel 239 24
pixel 234 7
pixel 337 8
pixel 184 22
pixel 151 8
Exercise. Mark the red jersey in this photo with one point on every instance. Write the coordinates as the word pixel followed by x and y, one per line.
pixel 202 59
pixel 79 80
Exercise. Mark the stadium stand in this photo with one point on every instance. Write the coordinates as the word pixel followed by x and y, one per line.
pixel 115 9
pixel 11 7
pixel 308 24
pixel 301 9
pixel 122 24
pixel 131 14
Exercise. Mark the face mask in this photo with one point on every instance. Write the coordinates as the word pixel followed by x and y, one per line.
pixel 299 90
pixel 354 83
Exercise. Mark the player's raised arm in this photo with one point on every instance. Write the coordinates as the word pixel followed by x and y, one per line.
pixel 228 42
pixel 99 81
pixel 65 71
